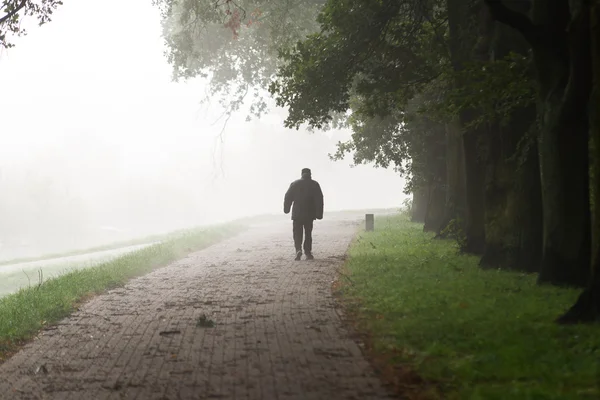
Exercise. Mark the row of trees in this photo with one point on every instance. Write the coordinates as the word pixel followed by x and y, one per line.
pixel 486 105
pixel 491 108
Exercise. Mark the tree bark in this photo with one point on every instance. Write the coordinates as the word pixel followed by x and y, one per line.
pixel 527 213
pixel 462 32
pixel 587 306
pixel 435 208
pixel 513 203
pixel 560 41
pixel 419 205
pixel 564 66
pixel 513 200
pixel 436 156
pixel 455 174
pixel 475 200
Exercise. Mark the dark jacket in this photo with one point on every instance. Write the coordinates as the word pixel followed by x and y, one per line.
pixel 307 197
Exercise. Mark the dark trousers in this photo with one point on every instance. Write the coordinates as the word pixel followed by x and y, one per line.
pixel 300 227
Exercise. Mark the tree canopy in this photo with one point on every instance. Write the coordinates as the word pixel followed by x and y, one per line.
pixel 233 44
pixel 378 52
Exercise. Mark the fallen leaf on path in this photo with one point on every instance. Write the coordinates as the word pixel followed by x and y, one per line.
pixel 165 333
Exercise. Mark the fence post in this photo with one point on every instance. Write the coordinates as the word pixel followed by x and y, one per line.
pixel 369 222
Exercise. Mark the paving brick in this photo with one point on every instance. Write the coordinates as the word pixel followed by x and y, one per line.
pixel 276 334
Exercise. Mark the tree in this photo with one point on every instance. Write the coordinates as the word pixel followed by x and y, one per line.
pixel 464 46
pixel 376 59
pixel 558 33
pixel 493 96
pixel 234 44
pixel 376 51
pixel 587 307
pixel 415 146
pixel 12 13
pixel 424 63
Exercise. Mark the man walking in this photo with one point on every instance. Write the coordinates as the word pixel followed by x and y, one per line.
pixel 307 197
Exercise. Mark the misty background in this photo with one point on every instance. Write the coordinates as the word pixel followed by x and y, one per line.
pixel 97 144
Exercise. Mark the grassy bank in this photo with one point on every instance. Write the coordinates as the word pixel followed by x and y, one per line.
pixel 110 246
pixel 24 313
pixel 440 327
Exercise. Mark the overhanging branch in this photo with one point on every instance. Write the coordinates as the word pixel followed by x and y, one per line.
pixel 13 12
pixel 516 20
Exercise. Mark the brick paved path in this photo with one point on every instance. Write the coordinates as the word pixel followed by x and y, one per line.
pixel 276 332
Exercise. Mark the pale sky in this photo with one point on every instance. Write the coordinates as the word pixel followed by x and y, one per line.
pixel 87 101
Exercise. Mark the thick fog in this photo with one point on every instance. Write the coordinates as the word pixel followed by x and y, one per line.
pixel 97 144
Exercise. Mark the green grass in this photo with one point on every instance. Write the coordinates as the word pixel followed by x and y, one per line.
pixel 473 334
pixel 24 313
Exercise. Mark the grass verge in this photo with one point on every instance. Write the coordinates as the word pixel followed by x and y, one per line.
pixel 111 246
pixel 438 326
pixel 24 313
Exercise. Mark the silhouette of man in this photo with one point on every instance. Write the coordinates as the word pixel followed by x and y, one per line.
pixel 307 198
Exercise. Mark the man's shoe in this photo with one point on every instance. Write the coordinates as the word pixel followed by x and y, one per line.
pixel 298 255
pixel 309 256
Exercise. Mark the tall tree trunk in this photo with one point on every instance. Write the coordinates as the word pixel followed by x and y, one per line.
pixel 513 227
pixel 565 80
pixel 562 61
pixel 587 307
pixel 462 31
pixel 455 174
pixel 437 149
pixel 419 205
pixel 528 218
pixel 435 208
pixel 513 201
pixel 475 200
pixel 496 194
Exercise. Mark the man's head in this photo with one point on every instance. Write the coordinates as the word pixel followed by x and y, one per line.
pixel 306 172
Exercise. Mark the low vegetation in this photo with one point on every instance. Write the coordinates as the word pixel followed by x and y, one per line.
pixel 24 313
pixel 443 325
pixel 110 246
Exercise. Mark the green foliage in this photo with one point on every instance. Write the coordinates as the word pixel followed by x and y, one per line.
pixel 376 51
pixel 474 334
pixel 378 139
pixel 13 11
pixel 455 230
pixel 234 44
pixel 24 313
pixel 494 90
pixel 389 63
pixel 372 58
